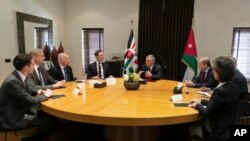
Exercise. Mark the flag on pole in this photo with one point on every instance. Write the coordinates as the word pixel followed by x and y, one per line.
pixel 189 58
pixel 130 57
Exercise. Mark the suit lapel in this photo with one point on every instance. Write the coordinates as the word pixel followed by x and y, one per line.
pixel 34 75
pixel 208 74
pixel 21 81
pixel 43 73
pixel 95 68
pixel 153 68
pixel 60 71
pixel 19 78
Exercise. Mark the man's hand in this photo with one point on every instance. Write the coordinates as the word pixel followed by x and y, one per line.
pixel 48 93
pixel 95 77
pixel 189 83
pixel 148 74
pixel 205 89
pixel 59 84
pixel 194 103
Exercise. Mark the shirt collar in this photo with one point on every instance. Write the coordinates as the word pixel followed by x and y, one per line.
pixel 207 70
pixel 151 67
pixel 62 67
pixel 98 62
pixel 36 66
pixel 220 84
pixel 23 77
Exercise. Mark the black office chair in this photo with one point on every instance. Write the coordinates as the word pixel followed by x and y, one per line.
pixel 246 119
pixel 3 132
pixel 159 61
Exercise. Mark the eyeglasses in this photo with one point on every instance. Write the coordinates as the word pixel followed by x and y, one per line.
pixel 40 54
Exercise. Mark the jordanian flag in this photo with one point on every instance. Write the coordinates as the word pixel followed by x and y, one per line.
pixel 189 58
pixel 130 58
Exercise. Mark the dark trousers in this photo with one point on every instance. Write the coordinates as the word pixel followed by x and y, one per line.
pixel 45 123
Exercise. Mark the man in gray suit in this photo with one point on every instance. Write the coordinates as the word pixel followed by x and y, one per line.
pixel 16 101
pixel 40 79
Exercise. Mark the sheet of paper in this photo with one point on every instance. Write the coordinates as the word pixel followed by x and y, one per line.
pixel 204 93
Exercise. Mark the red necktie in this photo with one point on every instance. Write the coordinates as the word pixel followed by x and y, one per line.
pixel 203 75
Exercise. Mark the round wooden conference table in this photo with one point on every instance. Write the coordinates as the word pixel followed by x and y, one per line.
pixel 129 115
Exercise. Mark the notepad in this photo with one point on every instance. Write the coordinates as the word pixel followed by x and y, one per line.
pixel 55 96
pixel 181 104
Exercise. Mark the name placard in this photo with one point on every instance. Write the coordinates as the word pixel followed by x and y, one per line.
pixel 176 98
pixel 76 91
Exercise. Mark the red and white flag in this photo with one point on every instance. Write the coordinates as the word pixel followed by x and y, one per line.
pixel 189 58
pixel 130 57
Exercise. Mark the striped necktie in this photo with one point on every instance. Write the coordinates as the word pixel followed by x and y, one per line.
pixel 40 76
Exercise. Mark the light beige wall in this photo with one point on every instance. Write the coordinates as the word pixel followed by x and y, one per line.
pixel 51 9
pixel 213 25
pixel 112 15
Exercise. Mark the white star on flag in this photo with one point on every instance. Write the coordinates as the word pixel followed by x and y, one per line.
pixel 190 46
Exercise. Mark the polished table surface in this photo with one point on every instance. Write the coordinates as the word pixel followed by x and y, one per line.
pixel 114 105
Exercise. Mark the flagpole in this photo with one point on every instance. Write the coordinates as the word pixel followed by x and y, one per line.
pixel 131 23
pixel 192 25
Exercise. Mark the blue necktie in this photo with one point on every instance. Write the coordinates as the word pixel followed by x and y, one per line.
pixel 66 77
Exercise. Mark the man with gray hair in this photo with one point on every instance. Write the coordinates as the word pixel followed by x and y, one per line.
pixel 40 79
pixel 62 70
pixel 150 71
pixel 206 77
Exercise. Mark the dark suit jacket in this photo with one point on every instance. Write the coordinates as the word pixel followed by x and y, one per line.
pixel 56 73
pixel 240 81
pixel 156 72
pixel 210 82
pixel 34 83
pixel 92 70
pixel 15 102
pixel 221 111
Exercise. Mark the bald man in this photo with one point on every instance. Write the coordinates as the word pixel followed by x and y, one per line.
pixel 62 70
pixel 206 77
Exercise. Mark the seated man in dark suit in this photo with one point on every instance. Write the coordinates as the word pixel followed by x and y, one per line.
pixel 16 101
pixel 40 79
pixel 220 111
pixel 98 69
pixel 150 71
pixel 206 77
pixel 62 70
pixel 240 81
